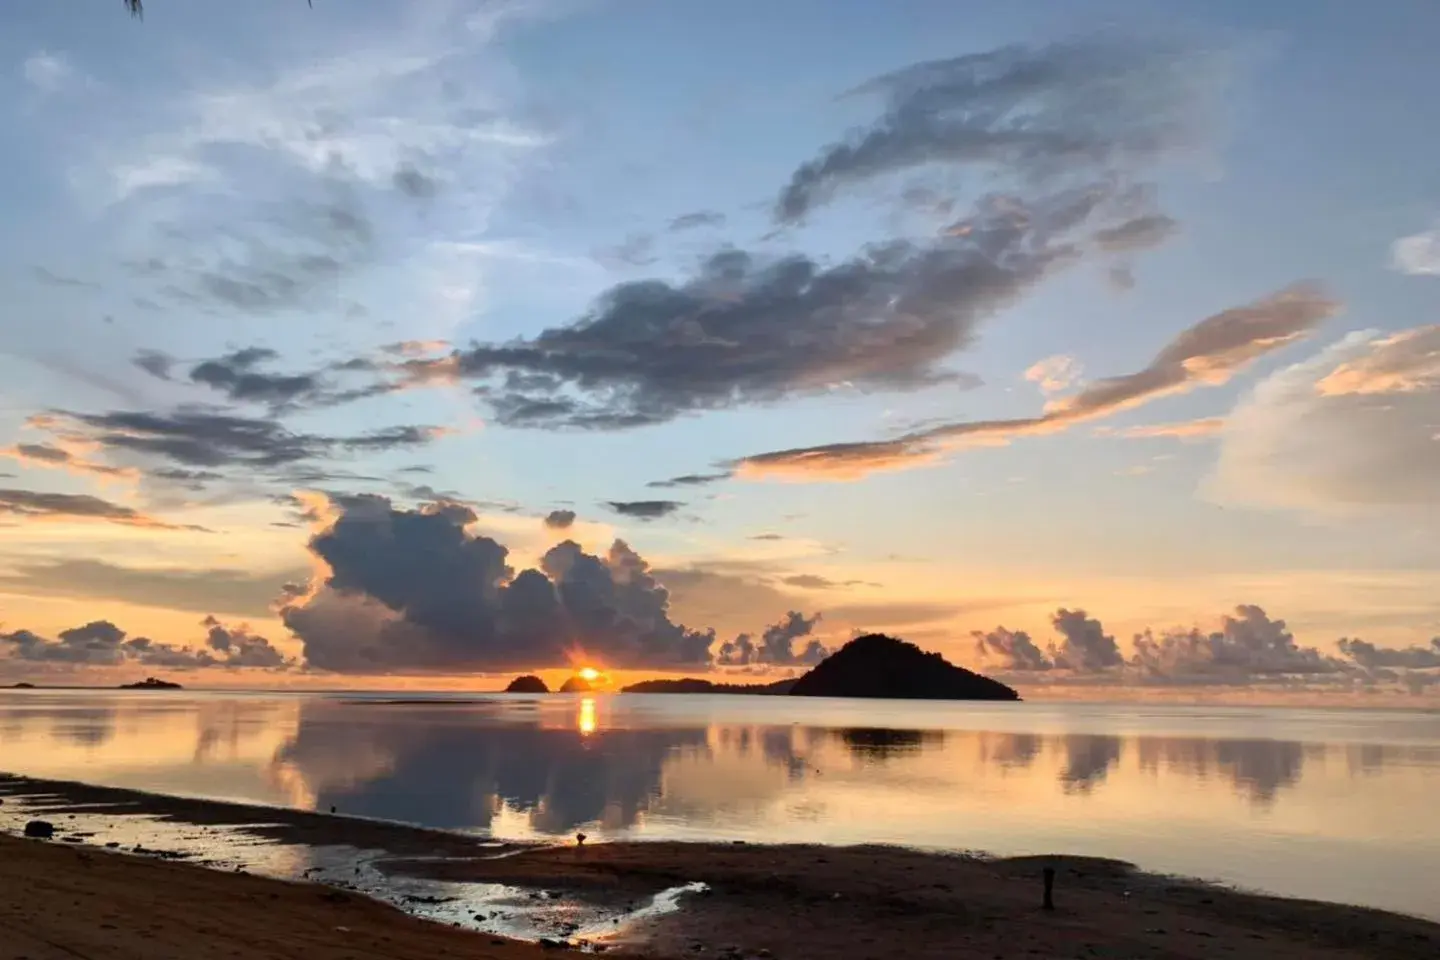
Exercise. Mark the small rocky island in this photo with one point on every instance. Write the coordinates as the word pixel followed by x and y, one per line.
pixel 879 666
pixel 576 685
pixel 870 666
pixel 527 684
pixel 151 683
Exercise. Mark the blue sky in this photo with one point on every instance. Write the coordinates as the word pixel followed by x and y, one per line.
pixel 324 185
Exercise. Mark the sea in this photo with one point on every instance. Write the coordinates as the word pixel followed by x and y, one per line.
pixel 1333 804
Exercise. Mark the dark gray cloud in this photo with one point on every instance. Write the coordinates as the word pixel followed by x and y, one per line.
pixel 415 590
pixel 1033 114
pixel 240 647
pixel 644 509
pixel 560 519
pixel 1140 233
pixel 1010 649
pixel 697 219
pixel 776 646
pixel 201 438
pixel 747 329
pixel 155 362
pixel 235 375
pixel 1370 657
pixel 689 480
pixel 1209 353
pixel 102 643
pixel 1248 645
pixel 35 505
pixel 199 589
pixel 1084 644
pixel 414 183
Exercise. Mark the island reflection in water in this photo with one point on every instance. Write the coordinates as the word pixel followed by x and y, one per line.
pixel 1330 804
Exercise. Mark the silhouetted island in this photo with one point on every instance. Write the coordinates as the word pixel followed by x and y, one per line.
pixel 575 685
pixel 694 685
pixel 22 685
pixel 870 666
pixel 879 666
pixel 151 683
pixel 527 684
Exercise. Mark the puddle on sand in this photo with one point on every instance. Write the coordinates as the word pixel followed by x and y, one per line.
pixel 524 913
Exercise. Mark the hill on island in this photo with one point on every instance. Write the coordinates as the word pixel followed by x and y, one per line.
pixel 576 685
pixel 150 683
pixel 879 666
pixel 527 684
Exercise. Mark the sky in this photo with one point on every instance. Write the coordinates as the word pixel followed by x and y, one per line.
pixel 423 343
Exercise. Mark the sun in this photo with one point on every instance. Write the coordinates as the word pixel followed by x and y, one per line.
pixel 588 674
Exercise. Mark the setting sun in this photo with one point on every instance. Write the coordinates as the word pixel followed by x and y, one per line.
pixel 588 674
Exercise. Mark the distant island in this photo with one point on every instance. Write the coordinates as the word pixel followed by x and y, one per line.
pixel 527 684
pixel 151 683
pixel 870 666
pixel 576 685
pixel 22 685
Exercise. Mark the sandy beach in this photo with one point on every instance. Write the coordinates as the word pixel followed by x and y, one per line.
pixel 74 897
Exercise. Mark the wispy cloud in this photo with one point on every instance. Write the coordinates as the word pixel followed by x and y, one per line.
pixel 47 72
pixel 1417 254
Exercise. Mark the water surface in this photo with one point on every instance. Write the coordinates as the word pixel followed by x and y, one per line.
pixel 1334 804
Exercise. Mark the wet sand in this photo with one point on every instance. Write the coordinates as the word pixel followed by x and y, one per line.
pixel 783 902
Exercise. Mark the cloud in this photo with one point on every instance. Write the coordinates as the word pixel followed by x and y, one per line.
pixel 748 330
pixel 1247 646
pixel 644 509
pixel 1183 430
pixel 636 250
pixel 50 456
pixel 1141 233
pixel 155 362
pixel 1352 428
pixel 198 438
pixel 1370 657
pixel 1418 254
pixel 809 581
pixel 1405 362
pixel 776 646
pixel 416 591
pixel 1207 354
pixel 1010 649
pixel 697 219
pixel 1084 646
pixel 560 519
pixel 47 72
pixel 1055 374
pixel 235 375
pixel 199 589
pixel 35 505
pixel 689 480
pixel 1032 113
pixel 414 183
pixel 102 643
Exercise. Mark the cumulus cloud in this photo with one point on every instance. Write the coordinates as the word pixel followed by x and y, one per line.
pixel 1418 254
pixel 776 646
pixel 560 519
pixel 644 509
pixel 102 643
pixel 1207 354
pixel 415 590
pixel 1248 645
pixel 75 507
pixel 1010 650
pixel 1031 113
pixel 1352 428
pixel 1370 657
pixel 1084 644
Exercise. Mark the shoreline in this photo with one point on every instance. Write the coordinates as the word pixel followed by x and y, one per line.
pixel 849 903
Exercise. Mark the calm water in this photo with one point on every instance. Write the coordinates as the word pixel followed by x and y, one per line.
pixel 1339 805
